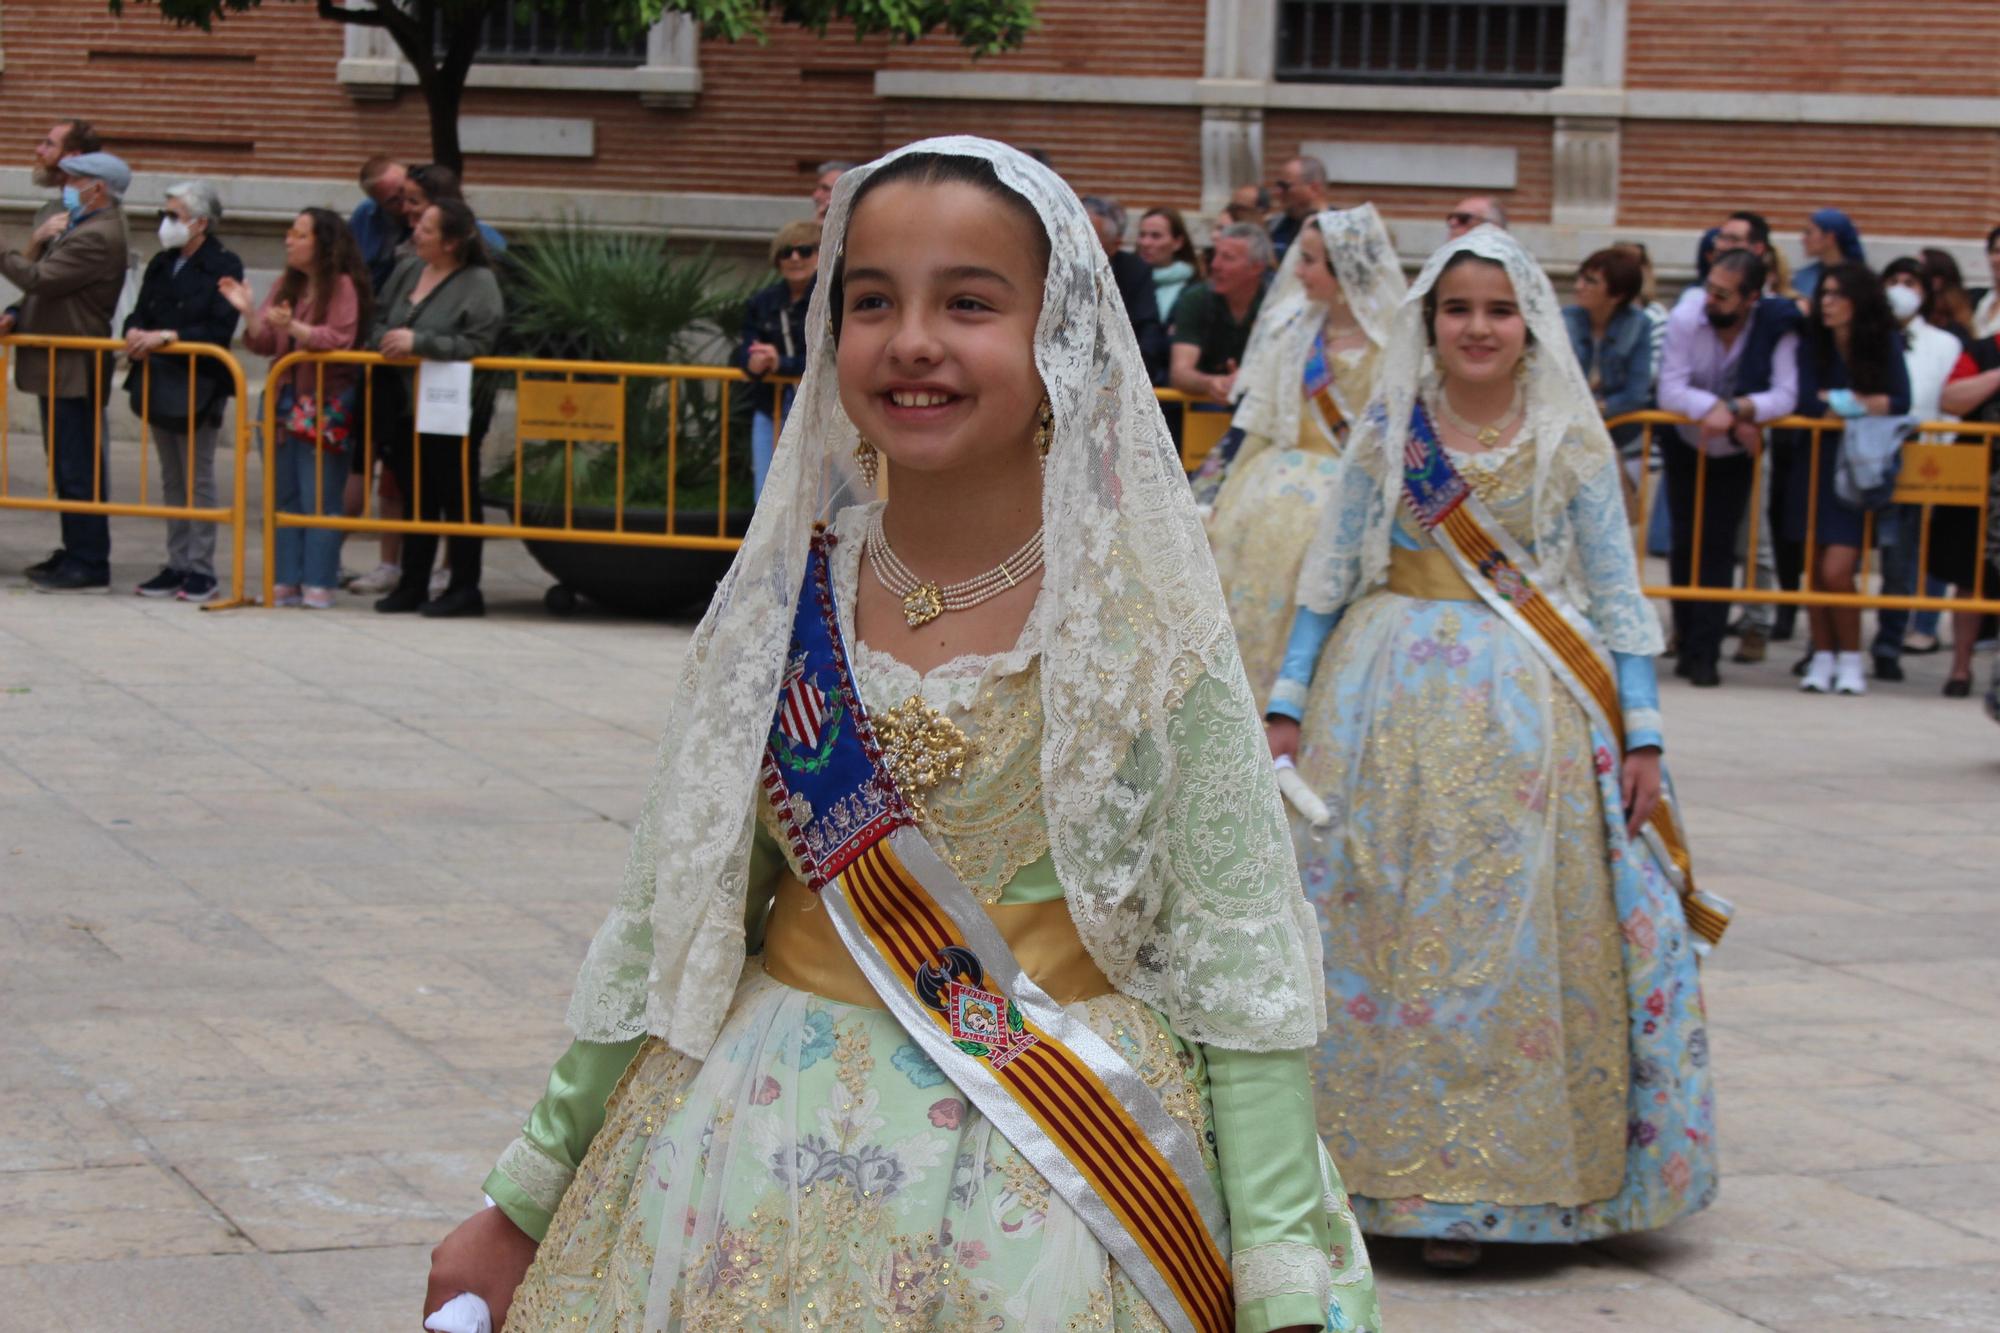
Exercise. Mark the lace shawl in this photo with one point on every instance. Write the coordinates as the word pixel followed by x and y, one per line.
pixel 1371 278
pixel 1163 816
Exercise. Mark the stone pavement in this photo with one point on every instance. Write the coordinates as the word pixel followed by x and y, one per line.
pixel 290 904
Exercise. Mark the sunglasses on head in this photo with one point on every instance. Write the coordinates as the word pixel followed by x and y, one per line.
pixel 798 252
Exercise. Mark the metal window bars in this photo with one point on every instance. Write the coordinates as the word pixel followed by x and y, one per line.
pixel 1461 43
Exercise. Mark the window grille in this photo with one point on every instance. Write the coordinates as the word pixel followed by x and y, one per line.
pixel 1479 43
pixel 536 38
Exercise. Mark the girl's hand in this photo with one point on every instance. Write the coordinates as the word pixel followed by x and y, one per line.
pixel 397 342
pixel 1283 733
pixel 487 1255
pixel 1641 781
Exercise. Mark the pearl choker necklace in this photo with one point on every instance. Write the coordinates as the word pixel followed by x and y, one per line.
pixel 924 600
pixel 1488 436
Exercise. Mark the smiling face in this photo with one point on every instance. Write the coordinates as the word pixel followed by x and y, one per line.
pixel 1478 330
pixel 1320 283
pixel 427 238
pixel 301 248
pixel 1156 243
pixel 941 287
pixel 415 201
pixel 795 268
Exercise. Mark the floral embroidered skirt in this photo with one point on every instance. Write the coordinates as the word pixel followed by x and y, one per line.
pixel 1264 518
pixel 820 1172
pixel 1516 1047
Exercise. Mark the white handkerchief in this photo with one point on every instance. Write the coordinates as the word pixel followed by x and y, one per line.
pixel 1302 797
pixel 463 1313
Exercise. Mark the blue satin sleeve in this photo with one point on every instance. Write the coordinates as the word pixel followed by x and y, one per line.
pixel 1310 631
pixel 1639 698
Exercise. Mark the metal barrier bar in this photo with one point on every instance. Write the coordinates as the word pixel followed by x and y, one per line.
pixel 1743 587
pixel 233 515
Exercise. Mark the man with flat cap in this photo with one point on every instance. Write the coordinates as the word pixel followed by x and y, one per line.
pixel 70 281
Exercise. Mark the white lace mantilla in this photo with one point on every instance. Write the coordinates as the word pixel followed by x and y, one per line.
pixel 1163 816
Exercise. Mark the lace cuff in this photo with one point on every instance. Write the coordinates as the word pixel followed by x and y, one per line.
pixel 1288 699
pixel 540 1177
pixel 1281 1268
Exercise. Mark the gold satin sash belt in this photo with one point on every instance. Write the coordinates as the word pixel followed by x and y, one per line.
pixel 1428 575
pixel 802 949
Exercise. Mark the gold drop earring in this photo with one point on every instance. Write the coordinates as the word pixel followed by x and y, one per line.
pixel 1045 423
pixel 866 459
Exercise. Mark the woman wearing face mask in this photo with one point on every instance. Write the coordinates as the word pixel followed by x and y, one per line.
pixel 1516 1048
pixel 180 300
pixel 1308 372
pixel 1850 365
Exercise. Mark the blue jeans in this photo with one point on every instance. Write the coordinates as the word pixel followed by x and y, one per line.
pixel 764 443
pixel 1900 529
pixel 69 432
pixel 308 557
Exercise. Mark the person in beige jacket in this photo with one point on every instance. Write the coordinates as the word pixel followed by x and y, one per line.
pixel 70 276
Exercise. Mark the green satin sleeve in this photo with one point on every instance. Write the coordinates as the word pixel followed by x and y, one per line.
pixel 532 1174
pixel 1296 1261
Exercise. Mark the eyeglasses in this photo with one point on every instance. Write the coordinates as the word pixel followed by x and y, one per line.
pixel 798 252
pixel 1280 186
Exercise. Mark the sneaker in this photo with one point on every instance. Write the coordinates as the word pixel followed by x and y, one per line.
pixel 1888 668
pixel 1752 646
pixel 70 576
pixel 440 580
pixel 199 588
pixel 1818 675
pixel 455 602
pixel 1848 678
pixel 377 580
pixel 344 577
pixel 48 566
pixel 163 584
pixel 286 594
pixel 318 599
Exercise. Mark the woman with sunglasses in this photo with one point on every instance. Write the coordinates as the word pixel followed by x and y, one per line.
pixel 774 333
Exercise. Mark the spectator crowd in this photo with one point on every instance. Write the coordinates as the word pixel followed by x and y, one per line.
pixel 410 272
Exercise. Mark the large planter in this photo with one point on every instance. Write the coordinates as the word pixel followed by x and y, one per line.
pixel 637 580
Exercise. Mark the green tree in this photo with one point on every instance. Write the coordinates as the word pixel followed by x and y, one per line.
pixel 439 38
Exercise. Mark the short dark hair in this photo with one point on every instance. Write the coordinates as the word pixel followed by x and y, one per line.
pixel 1909 266
pixel 1621 271
pixel 1992 237
pixel 1760 230
pixel 80 138
pixel 1746 266
pixel 437 181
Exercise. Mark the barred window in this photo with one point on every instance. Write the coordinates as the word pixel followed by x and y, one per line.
pixel 536 38
pixel 1479 43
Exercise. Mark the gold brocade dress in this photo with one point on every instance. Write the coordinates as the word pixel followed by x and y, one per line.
pixel 1267 512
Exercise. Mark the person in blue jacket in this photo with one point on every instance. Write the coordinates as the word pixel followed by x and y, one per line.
pixel 1612 338
pixel 774 335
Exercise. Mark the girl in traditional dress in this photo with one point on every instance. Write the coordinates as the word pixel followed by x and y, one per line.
pixel 1516 1049
pixel 1023 1038
pixel 1306 374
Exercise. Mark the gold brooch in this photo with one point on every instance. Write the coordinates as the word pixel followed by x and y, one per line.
pixel 922 748
pixel 923 604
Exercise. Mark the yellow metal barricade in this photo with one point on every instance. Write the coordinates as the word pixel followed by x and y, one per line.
pixel 28 353
pixel 1948 466
pixel 1203 422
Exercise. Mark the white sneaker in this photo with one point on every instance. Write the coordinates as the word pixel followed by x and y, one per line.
pixel 377 580
pixel 440 580
pixel 1848 677
pixel 1819 675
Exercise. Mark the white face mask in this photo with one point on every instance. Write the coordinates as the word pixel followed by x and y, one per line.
pixel 174 233
pixel 1905 302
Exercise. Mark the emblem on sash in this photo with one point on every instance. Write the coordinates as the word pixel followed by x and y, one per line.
pixel 984 1024
pixel 1509 582
pixel 808 721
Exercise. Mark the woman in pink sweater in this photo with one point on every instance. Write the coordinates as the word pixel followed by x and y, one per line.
pixel 323 303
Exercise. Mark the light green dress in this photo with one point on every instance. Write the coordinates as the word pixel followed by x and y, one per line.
pixel 820 1172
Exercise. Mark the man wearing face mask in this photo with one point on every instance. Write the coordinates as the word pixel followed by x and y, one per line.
pixel 180 301
pixel 1730 365
pixel 70 283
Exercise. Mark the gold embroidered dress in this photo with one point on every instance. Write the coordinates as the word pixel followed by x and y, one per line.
pixel 819 1169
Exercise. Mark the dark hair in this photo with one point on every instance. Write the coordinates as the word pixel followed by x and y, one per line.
pixel 438 182
pixel 335 256
pixel 1907 266
pixel 1183 243
pixel 374 168
pixel 1431 296
pixel 1243 213
pixel 458 226
pixel 1950 303
pixel 80 138
pixel 1746 266
pixel 1992 237
pixel 1621 271
pixel 1760 230
pixel 933 169
pixel 1872 337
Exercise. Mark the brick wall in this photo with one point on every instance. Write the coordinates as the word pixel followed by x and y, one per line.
pixel 1935 48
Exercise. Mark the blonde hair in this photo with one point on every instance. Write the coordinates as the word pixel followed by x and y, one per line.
pixel 794 233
